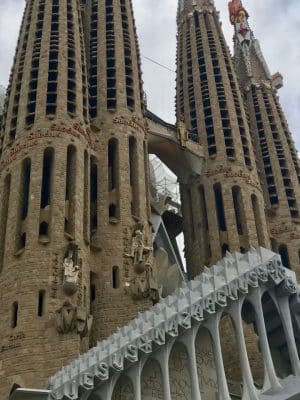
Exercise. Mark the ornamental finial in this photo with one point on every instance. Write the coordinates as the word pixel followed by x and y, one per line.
pixel 237 12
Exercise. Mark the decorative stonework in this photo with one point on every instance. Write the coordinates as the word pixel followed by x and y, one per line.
pixel 73 319
pixel 71 268
pixel 221 287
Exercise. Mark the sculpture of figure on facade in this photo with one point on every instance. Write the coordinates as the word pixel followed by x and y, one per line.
pixel 182 131
pixel 140 252
pixel 146 285
pixel 73 319
pixel 71 270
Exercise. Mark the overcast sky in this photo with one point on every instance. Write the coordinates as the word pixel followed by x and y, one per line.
pixel 276 23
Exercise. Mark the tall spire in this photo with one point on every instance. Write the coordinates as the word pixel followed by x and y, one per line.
pixel 277 158
pixel 209 100
pixel 246 46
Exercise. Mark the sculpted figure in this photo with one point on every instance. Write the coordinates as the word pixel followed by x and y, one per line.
pixel 71 271
pixel 140 252
pixel 237 11
pixel 182 131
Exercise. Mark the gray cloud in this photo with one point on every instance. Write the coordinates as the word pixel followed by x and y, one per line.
pixel 275 23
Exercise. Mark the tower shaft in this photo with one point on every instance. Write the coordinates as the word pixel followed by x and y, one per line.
pixel 44 259
pixel 224 209
pixel 277 158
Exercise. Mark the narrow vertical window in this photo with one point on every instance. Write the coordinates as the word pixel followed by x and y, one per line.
pixel 41 303
pixel 113 178
pixel 14 314
pixel 116 277
pixel 220 207
pixel 134 176
pixel 25 188
pixel 112 164
pixel 283 251
pixel 86 205
pixel 47 178
pixel 94 196
pixel 70 191
pixel 204 222
pixel 238 209
pixel 3 217
pixel 258 222
pixel 93 290
pixel 23 203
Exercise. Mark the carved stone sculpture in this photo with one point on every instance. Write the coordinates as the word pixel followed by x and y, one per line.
pixel 71 270
pixel 140 252
pixel 73 319
pixel 182 132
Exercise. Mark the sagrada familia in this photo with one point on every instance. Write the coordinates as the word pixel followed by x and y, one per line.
pixel 95 303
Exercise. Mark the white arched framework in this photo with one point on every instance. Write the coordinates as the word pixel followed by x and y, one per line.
pixel 179 340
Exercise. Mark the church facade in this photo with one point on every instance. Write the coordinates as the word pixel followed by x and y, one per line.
pixel 87 243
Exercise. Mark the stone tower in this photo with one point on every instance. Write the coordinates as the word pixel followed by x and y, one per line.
pixel 277 159
pixel 224 209
pixel 44 274
pixel 75 238
pixel 119 208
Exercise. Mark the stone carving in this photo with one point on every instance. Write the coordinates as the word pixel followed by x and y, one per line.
pixel 229 172
pixel 182 132
pixel 146 285
pixel 73 319
pixel 71 270
pixel 133 122
pixel 140 252
pixel 237 11
pixel 55 277
pixel 197 300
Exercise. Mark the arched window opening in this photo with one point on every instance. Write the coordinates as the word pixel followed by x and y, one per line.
pixel 134 176
pixel 3 217
pixel 94 196
pixel 258 220
pixel 276 337
pixel 283 251
pixel 220 207
pixel 41 303
pixel 116 277
pixel 70 191
pixel 47 177
pixel 14 315
pixel 238 209
pixel 112 164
